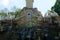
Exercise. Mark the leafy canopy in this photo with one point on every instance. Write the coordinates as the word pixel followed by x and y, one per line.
pixel 56 7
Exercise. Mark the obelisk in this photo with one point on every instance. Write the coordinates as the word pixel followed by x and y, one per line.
pixel 29 3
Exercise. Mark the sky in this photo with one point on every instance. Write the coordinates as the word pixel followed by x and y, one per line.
pixel 41 5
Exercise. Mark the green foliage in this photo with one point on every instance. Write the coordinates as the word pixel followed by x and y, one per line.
pixel 30 24
pixel 11 13
pixel 56 7
pixel 15 13
pixel 3 14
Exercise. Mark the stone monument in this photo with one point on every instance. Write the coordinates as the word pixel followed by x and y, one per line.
pixel 29 15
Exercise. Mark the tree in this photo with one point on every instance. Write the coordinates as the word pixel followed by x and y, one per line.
pixel 14 13
pixel 17 12
pixel 11 15
pixel 3 14
pixel 56 7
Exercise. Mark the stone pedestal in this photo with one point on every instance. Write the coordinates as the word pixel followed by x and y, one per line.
pixel 28 16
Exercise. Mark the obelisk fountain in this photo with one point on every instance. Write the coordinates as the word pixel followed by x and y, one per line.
pixel 29 16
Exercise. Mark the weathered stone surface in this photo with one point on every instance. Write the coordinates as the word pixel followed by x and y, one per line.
pixel 29 15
